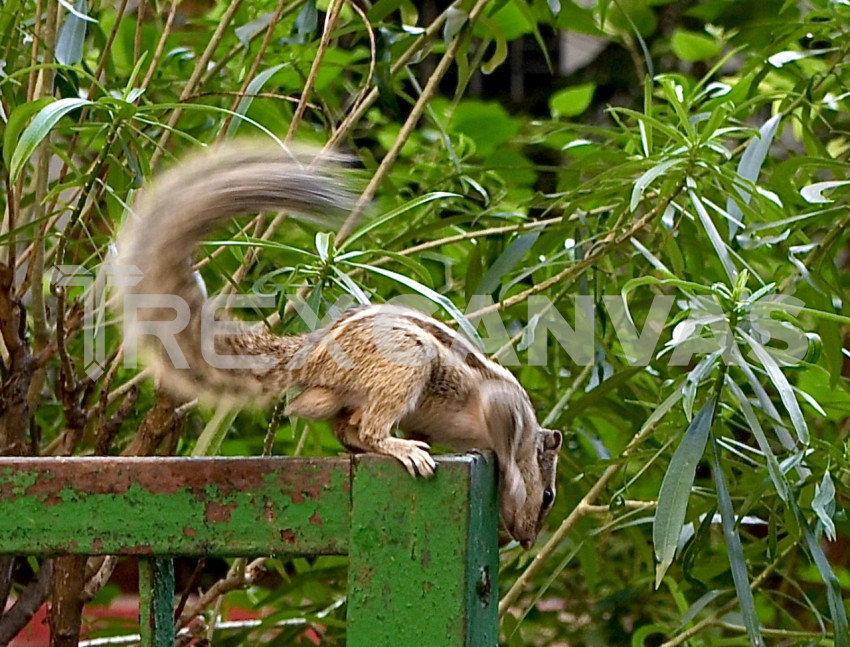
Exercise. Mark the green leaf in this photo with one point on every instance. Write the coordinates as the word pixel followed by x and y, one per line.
pixel 833 587
pixel 350 286
pixel 69 44
pixel 813 193
pixel 647 178
pixel 215 431
pixel 441 300
pixel 692 47
pixel 506 262
pixel 18 118
pixel 488 124
pixel 395 213
pixel 689 390
pixel 38 129
pixel 676 489
pixel 736 552
pixel 307 21
pixel 714 236
pixel 245 102
pixel 572 101
pixel 250 29
pixel 780 382
pixel 323 245
pixel 773 468
pixel 501 52
pixel 455 20
pixel 824 504
pixel 750 166
pixel 706 599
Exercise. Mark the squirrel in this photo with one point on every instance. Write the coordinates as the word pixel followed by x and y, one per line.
pixel 375 368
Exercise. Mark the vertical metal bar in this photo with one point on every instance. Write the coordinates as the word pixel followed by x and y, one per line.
pixel 423 557
pixel 156 602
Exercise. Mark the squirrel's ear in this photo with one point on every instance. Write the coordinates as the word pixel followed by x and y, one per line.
pixel 551 440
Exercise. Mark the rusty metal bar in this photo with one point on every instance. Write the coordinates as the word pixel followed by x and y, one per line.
pixel 174 506
pixel 423 554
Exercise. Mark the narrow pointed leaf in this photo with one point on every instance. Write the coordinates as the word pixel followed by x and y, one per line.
pixel 647 178
pixel 749 168
pixel 813 193
pixel 833 588
pixel 824 505
pixel 786 393
pixel 441 300
pixel 395 213
pixel 714 236
pixel 18 118
pixel 245 102
pixel 69 45
pixel 736 552
pixel 38 129
pixel 506 262
pixel 676 489
pixel 776 475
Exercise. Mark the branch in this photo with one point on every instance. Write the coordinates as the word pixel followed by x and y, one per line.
pixel 28 602
pixel 410 124
pixel 239 577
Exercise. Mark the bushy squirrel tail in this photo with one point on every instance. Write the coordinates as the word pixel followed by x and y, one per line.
pixel 157 243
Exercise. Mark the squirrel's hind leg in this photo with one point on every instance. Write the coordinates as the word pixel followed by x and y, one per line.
pixel 315 403
pixel 347 430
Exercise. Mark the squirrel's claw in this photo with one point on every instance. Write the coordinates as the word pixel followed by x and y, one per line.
pixel 413 454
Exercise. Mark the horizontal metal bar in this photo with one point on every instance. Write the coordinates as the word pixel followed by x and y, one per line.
pixel 174 506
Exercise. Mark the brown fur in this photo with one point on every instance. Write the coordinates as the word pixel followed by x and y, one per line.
pixel 373 369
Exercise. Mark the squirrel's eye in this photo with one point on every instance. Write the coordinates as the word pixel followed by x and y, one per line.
pixel 548 497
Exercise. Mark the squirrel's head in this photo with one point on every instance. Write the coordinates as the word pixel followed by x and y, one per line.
pixel 527 455
pixel 528 486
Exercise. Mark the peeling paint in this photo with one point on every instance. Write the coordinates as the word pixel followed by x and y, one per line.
pixel 174 506
pixel 219 512
pixel 438 534
pixel 137 549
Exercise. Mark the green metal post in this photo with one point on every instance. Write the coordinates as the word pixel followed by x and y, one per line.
pixel 423 554
pixel 423 563
pixel 156 602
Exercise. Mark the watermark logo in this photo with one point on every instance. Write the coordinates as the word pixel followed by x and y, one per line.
pixel 700 327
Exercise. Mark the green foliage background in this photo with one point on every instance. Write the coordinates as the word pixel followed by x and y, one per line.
pixel 702 155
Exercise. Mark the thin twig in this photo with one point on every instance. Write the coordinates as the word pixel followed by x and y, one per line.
pixel 192 83
pixel 355 115
pixel 331 18
pixel 36 41
pixel 254 67
pixel 600 251
pixel 409 124
pixel 731 604
pixel 160 46
pixel 137 37
pixel 373 54
pixel 216 68
pixel 237 578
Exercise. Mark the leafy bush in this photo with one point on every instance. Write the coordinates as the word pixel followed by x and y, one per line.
pixel 687 189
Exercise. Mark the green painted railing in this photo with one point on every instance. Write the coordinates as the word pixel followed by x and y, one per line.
pixel 423 555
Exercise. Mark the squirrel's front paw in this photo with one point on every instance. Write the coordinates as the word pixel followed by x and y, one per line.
pixel 413 454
